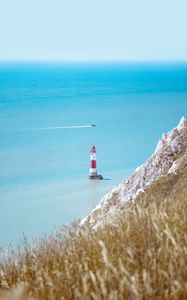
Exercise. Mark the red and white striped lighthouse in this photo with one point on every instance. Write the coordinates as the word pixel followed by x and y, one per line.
pixel 93 167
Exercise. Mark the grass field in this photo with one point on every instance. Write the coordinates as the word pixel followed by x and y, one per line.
pixel 140 255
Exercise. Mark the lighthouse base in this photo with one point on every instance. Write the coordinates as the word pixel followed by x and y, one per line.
pixel 95 177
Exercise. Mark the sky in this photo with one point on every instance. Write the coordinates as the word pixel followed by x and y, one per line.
pixel 93 30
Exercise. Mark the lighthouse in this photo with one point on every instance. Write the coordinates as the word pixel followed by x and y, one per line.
pixel 93 168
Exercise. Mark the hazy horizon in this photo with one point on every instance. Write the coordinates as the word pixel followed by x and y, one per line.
pixel 121 30
pixel 93 61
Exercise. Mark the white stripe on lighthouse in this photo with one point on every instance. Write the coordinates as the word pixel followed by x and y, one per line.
pixel 93 156
pixel 93 170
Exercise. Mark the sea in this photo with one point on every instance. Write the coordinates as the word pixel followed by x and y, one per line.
pixel 46 110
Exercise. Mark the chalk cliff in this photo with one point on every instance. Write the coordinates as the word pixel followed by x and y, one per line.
pixel 157 176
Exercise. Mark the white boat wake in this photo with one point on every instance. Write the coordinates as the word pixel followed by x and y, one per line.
pixel 60 127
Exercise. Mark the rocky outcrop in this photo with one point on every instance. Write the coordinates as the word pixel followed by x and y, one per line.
pixel 169 156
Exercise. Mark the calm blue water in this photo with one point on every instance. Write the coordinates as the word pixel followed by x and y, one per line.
pixel 44 174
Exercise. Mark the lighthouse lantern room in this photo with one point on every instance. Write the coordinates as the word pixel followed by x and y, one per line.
pixel 93 168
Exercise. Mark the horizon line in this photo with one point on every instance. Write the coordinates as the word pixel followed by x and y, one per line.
pixel 90 61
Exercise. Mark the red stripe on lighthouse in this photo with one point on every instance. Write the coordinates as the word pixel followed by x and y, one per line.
pixel 93 164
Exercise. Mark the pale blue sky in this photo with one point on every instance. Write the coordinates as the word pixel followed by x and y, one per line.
pixel 93 30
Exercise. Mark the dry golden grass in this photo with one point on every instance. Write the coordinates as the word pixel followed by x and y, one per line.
pixel 139 255
pixel 142 255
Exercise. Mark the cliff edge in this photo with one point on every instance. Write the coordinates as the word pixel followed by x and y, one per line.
pixel 157 176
